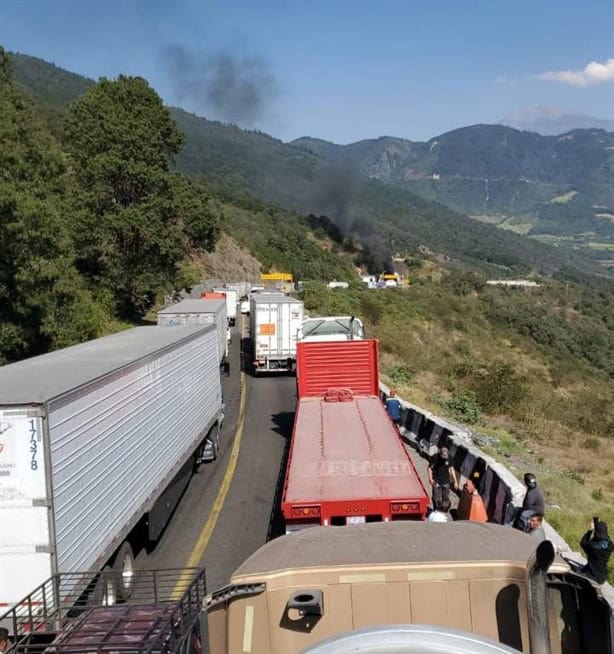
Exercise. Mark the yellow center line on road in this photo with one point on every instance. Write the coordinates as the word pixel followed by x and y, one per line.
pixel 205 534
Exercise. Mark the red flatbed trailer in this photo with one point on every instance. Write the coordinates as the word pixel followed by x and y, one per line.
pixel 347 463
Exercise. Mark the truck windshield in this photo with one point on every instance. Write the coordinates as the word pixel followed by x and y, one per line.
pixel 327 327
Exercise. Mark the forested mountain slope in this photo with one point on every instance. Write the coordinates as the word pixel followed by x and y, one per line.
pixel 96 226
pixel 384 217
pixel 493 169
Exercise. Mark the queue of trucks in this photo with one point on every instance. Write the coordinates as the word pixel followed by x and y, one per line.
pixel 98 442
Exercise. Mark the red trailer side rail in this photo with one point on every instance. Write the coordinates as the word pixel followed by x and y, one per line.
pixel 347 463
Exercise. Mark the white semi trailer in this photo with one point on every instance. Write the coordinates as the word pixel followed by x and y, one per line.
pixel 274 322
pixel 97 443
pixel 232 298
pixel 199 312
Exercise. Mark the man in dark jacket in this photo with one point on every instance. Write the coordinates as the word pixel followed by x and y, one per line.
pixel 441 476
pixel 598 547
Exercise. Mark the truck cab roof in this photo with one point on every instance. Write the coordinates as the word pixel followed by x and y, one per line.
pixel 485 580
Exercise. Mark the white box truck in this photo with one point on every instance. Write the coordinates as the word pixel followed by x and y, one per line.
pixel 199 312
pixel 97 443
pixel 232 299
pixel 274 321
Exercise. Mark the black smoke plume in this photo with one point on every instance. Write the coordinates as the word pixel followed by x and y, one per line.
pixel 235 89
pixel 339 187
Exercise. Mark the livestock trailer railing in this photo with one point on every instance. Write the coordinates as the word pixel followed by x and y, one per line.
pixel 74 613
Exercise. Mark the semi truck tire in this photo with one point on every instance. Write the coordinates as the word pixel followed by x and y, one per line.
pixel 125 572
pixel 106 590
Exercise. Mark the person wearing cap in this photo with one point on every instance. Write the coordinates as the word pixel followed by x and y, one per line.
pixel 393 407
pixel 598 548
pixel 442 476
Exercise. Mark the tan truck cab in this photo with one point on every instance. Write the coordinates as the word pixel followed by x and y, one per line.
pixel 491 586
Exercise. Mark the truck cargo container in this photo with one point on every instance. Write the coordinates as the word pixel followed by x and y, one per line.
pixel 242 288
pixel 274 321
pixel 212 295
pixel 232 299
pixel 199 312
pixel 97 443
pixel 347 464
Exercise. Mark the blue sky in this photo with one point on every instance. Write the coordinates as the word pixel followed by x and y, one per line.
pixel 340 70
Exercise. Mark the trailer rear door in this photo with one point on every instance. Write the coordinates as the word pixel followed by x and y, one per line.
pixel 25 533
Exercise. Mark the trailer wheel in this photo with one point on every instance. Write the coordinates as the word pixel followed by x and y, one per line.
pixel 215 439
pixel 105 592
pixel 124 570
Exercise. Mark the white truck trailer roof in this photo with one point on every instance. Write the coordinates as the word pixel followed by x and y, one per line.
pixel 201 311
pixel 273 296
pixel 202 305
pixel 42 378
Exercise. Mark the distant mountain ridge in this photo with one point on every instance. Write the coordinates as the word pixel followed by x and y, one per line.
pixel 478 151
pixel 550 121
pixel 47 82
pixel 497 171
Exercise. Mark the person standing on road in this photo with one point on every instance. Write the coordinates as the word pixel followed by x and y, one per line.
pixel 393 407
pixel 442 476
pixel 598 548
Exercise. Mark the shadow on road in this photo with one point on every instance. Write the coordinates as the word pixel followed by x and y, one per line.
pixel 283 422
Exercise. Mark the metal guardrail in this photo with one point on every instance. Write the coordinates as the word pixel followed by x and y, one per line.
pixel 498 487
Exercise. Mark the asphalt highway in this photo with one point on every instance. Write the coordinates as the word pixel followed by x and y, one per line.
pixel 248 516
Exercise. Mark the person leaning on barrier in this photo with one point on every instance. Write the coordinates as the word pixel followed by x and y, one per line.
pixel 536 528
pixel 393 407
pixel 598 548
pixel 442 476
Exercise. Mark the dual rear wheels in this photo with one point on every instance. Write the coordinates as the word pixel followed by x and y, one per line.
pixel 116 583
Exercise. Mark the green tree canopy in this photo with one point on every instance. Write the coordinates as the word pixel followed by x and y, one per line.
pixel 43 302
pixel 130 240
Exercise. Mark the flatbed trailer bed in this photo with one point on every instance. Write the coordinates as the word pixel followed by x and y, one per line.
pixel 347 463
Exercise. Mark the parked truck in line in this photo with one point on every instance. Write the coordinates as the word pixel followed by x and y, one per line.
pixel 210 311
pixel 97 443
pixel 331 328
pixel 346 464
pixel 274 322
pixel 232 299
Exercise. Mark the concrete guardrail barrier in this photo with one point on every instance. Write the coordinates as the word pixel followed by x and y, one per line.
pixel 498 487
